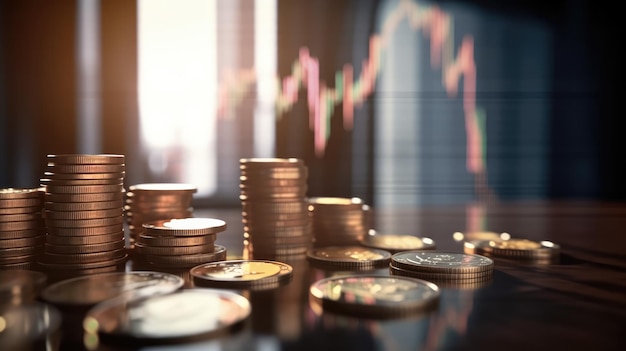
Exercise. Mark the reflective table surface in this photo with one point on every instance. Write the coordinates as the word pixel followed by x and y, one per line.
pixel 576 303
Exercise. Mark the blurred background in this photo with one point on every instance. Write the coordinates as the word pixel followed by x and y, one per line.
pixel 401 103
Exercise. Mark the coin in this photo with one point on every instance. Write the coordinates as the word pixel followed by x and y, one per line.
pixel 84 223
pixel 174 250
pixel 22 225
pixel 84 176
pixel 86 267
pixel 118 195
pixel 20 193
pixel 45 182
pixel 441 262
pixel 441 276
pixel 92 214
pixel 219 254
pixel 167 241
pixel 185 227
pixel 353 203
pixel 90 290
pixel 235 274
pixel 397 242
pixel 374 296
pixel 23 233
pixel 82 206
pixel 84 168
pixel 85 231
pixel 19 210
pixel 13 260
pixel 163 188
pixel 84 189
pixel 261 162
pixel 175 317
pixel 21 242
pixel 85 240
pixel 14 203
pixel 85 248
pixel 100 159
pixel 54 258
pixel 33 216
pixel 349 256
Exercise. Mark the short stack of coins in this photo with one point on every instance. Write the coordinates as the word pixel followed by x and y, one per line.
pixel 181 242
pixel 150 202
pixel 338 221
pixel 529 251
pixel 274 207
pixel 22 230
pixel 443 268
pixel 84 203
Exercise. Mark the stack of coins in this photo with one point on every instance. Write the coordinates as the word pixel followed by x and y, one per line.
pixel 443 268
pixel 84 213
pixel 22 230
pixel 273 197
pixel 542 252
pixel 338 221
pixel 182 242
pixel 152 202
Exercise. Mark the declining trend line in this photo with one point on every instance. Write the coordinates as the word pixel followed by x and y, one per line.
pixel 353 91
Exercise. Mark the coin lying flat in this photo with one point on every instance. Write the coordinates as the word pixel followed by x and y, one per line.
pixel 101 159
pixel 92 289
pixel 355 257
pixel 177 317
pixel 374 296
pixel 242 274
pixel 397 242
pixel 20 193
pixel 185 226
pixel 441 262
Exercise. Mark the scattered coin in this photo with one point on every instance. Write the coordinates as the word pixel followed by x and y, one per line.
pixel 353 257
pixel 242 274
pixel 397 242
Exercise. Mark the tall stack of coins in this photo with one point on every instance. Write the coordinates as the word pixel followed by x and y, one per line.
pixel 338 221
pixel 182 242
pixel 84 203
pixel 273 199
pixel 152 202
pixel 22 230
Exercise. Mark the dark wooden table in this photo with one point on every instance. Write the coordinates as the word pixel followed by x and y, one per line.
pixel 578 303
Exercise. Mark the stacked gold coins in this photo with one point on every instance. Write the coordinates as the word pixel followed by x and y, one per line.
pixel 181 242
pixel 443 268
pixel 84 203
pixel 152 202
pixel 540 252
pixel 22 230
pixel 338 221
pixel 273 199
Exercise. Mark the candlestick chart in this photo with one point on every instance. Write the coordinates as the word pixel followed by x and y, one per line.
pixel 352 86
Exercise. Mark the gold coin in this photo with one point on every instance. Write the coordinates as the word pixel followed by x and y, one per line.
pixel 185 227
pixel 162 188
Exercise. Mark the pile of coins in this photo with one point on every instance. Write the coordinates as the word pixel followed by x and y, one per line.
pixel 273 197
pixel 443 268
pixel 338 221
pixel 180 243
pixel 519 249
pixel 84 202
pixel 152 202
pixel 22 230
